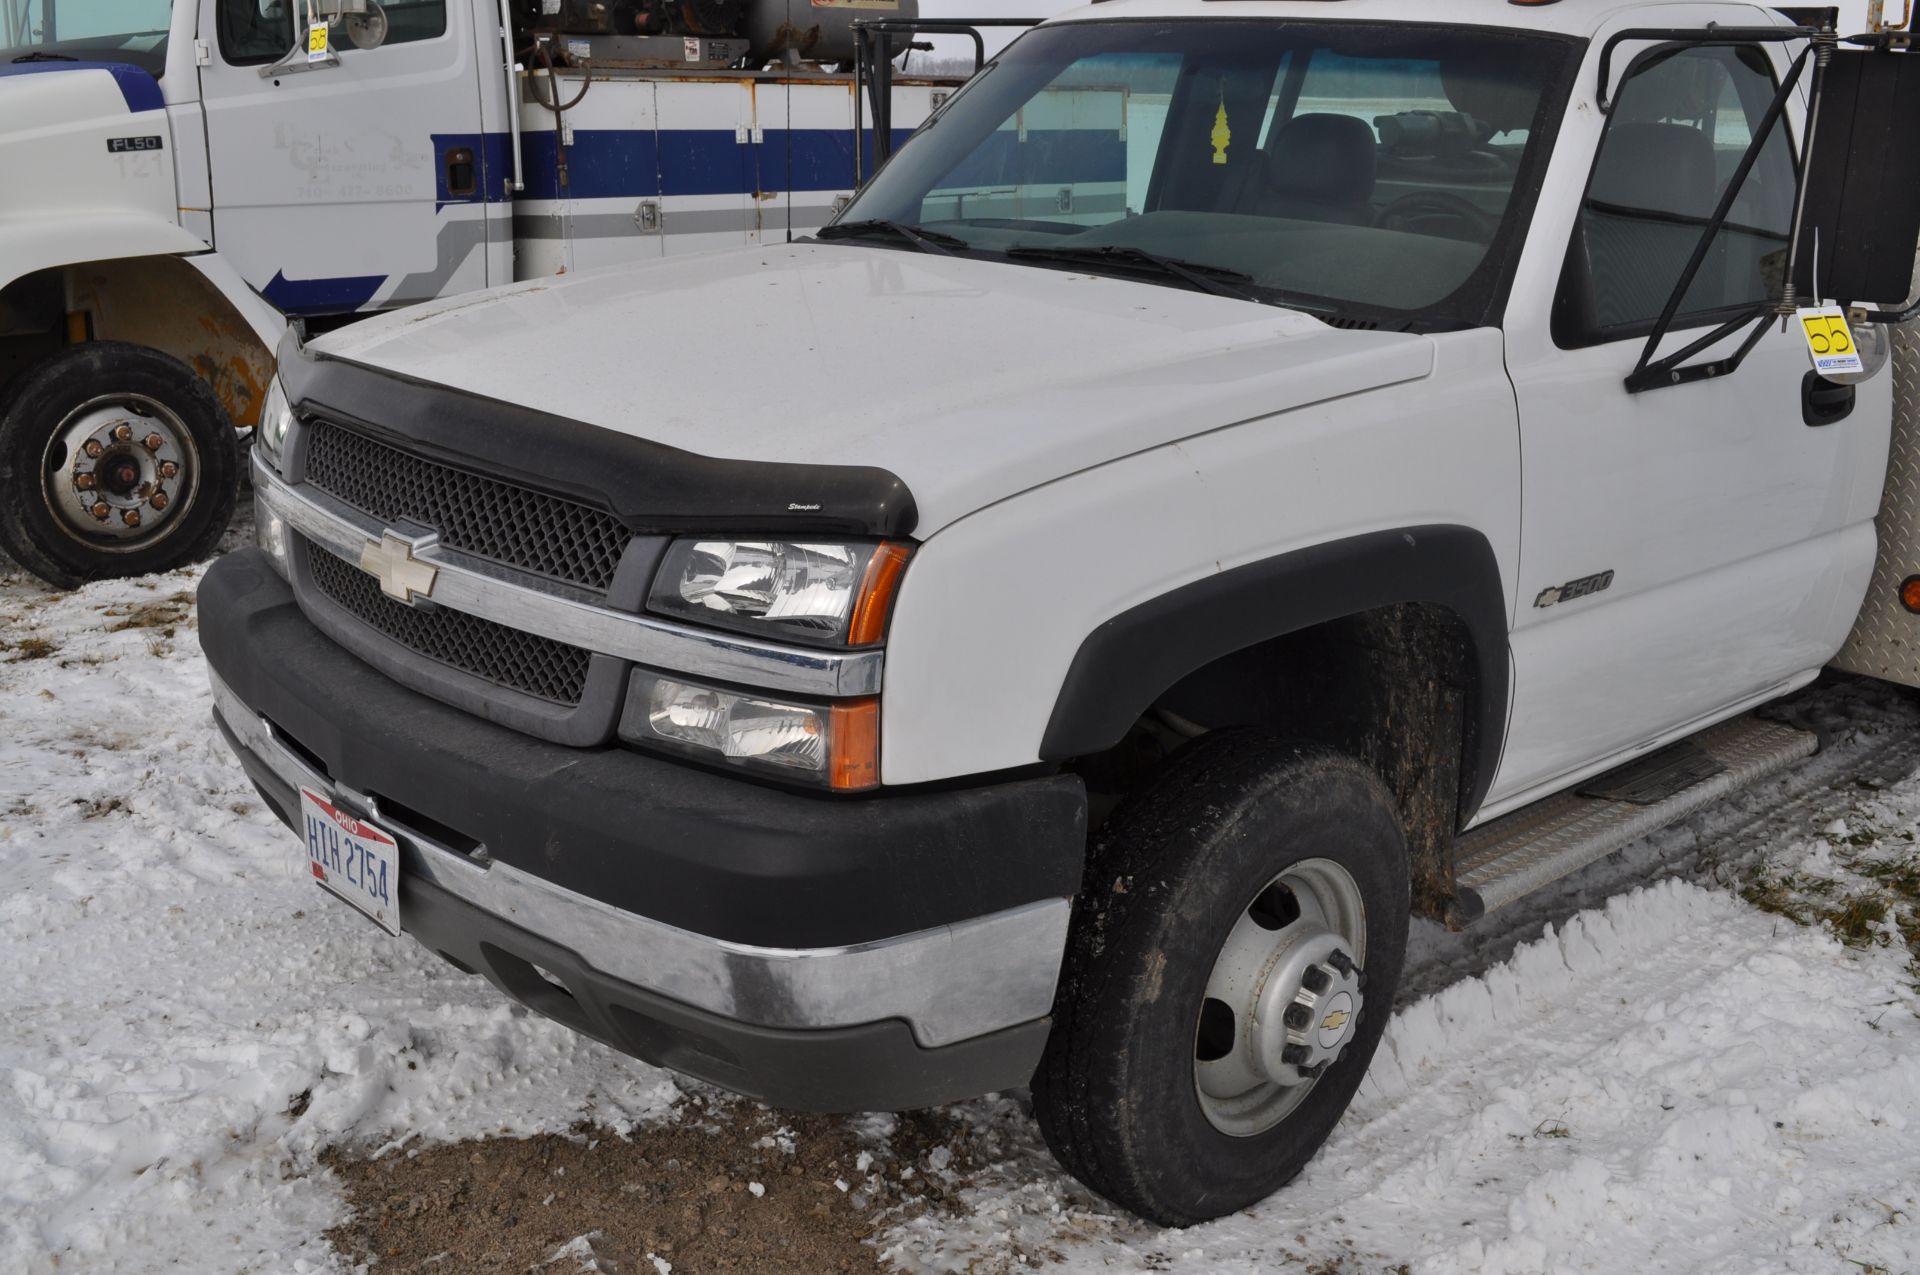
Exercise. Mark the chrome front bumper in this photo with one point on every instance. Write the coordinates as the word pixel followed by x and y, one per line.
pixel 948 984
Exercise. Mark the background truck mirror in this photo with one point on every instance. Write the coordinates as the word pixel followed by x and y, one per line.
pixel 1863 186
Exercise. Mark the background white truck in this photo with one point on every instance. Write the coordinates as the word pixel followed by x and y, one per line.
pixel 1319 461
pixel 181 177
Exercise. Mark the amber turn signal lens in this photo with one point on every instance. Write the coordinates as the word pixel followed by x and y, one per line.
pixel 855 740
pixel 875 603
pixel 1910 594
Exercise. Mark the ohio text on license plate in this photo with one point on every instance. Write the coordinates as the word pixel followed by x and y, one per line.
pixel 353 860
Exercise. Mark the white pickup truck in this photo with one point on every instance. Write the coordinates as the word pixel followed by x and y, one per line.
pixel 1241 474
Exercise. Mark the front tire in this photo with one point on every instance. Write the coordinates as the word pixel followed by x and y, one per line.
pixel 1230 968
pixel 115 460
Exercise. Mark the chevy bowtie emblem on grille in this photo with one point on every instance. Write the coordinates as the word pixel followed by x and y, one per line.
pixel 403 577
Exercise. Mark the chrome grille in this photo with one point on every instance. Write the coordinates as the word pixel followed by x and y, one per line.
pixel 529 530
pixel 525 662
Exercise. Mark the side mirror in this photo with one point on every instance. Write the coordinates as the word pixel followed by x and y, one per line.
pixel 364 21
pixel 1863 182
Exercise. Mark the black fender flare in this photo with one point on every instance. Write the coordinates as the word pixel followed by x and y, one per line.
pixel 1133 659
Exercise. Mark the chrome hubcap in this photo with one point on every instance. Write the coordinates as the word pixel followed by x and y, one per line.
pixel 118 472
pixel 1283 1000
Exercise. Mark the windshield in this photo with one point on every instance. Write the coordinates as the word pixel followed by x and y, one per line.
pixel 1357 168
pixel 133 31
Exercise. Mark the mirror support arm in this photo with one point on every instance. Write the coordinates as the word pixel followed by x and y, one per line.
pixel 1649 373
pixel 1821 47
pixel 873 54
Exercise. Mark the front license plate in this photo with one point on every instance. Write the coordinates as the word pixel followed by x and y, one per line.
pixel 353 860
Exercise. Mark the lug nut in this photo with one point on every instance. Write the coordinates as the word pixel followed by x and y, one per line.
pixel 1313 1072
pixel 1297 1017
pixel 93 448
pixel 131 517
pixel 1294 1055
pixel 159 500
pixel 168 469
pixel 83 481
pixel 1316 979
pixel 122 432
pixel 153 442
pixel 99 510
pixel 1341 961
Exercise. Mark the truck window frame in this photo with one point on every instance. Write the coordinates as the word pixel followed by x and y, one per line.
pixel 1570 328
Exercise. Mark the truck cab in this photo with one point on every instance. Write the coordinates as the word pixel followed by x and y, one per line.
pixel 1306 464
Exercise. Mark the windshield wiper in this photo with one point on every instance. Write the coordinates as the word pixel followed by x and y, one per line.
pixel 38 56
pixel 1219 280
pixel 920 237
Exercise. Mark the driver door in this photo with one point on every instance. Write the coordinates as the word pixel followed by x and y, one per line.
pixel 1692 548
pixel 360 185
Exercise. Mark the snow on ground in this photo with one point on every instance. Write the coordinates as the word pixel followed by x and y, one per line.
pixel 184 1021
pixel 1672 1080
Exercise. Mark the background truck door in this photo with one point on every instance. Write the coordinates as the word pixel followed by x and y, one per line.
pixel 364 184
pixel 1688 548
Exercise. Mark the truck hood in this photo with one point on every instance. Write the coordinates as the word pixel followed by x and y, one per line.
pixel 970 380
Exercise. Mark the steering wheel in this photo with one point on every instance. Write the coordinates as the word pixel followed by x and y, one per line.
pixel 1415 211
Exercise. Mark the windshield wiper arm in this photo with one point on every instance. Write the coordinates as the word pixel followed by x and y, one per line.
pixel 920 237
pixel 38 56
pixel 1219 280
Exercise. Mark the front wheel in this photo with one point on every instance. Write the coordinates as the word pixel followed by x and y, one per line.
pixel 115 460
pixel 1230 968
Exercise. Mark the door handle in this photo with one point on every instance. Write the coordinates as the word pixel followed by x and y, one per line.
pixel 462 182
pixel 1822 402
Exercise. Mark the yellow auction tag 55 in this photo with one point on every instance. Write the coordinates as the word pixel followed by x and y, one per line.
pixel 1829 341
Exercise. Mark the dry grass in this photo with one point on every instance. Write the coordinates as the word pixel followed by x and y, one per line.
pixel 1872 900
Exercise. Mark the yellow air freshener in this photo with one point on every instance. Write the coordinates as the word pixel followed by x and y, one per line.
pixel 1221 134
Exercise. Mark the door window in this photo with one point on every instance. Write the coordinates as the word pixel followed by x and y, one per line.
pixel 260 31
pixel 1680 124
pixel 254 31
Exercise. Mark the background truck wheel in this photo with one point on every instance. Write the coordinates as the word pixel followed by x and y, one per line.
pixel 1229 970
pixel 115 460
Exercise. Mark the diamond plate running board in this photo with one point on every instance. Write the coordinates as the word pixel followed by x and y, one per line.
pixel 1510 857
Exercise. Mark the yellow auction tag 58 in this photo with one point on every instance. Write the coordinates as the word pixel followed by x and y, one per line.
pixel 317 42
pixel 1829 341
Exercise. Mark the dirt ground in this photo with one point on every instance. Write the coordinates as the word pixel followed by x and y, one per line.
pixel 726 1189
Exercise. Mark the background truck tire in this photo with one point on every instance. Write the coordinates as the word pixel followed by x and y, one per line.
pixel 115 460
pixel 1189 878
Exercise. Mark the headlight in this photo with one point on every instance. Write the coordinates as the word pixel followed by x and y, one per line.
pixel 276 418
pixel 825 594
pixel 835 746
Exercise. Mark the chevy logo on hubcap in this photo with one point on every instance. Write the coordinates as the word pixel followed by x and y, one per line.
pixel 402 576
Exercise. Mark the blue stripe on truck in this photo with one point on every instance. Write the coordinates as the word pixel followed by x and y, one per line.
pixel 321 296
pixel 140 91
